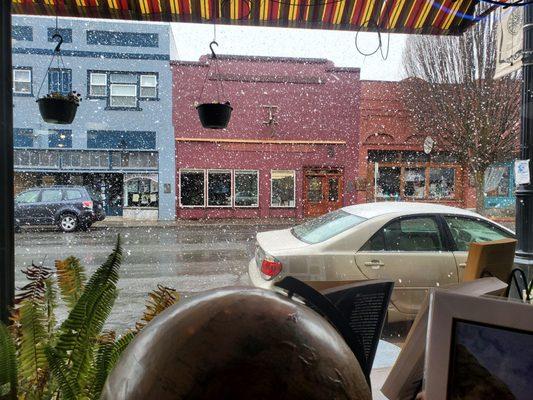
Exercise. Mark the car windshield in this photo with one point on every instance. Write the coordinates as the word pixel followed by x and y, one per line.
pixel 325 227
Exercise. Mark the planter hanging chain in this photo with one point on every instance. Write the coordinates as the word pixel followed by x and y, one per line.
pixel 216 72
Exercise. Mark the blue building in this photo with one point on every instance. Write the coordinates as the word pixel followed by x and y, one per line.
pixel 121 142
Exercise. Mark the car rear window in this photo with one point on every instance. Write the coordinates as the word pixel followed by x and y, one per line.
pixel 325 227
pixel 73 194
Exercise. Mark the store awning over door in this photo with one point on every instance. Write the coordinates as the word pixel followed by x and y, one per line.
pixel 443 17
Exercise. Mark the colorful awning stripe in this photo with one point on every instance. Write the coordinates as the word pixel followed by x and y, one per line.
pixel 401 16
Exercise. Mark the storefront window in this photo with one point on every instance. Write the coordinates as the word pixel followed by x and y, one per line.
pixel 142 193
pixel 388 182
pixel 415 183
pixel 441 183
pixel 497 181
pixel 282 189
pixel 192 185
pixel 246 189
pixel 219 188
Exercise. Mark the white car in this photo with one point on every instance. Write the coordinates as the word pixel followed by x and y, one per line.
pixel 417 245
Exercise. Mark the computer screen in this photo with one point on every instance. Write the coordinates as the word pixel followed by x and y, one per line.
pixel 490 362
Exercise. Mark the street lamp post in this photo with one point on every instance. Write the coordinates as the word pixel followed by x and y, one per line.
pixel 524 193
pixel 7 247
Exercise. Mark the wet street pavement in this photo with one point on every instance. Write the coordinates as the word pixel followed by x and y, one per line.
pixel 190 258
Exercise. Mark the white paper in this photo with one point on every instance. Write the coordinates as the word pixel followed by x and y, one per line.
pixel 521 172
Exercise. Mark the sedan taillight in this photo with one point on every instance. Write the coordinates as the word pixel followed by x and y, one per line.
pixel 87 204
pixel 270 267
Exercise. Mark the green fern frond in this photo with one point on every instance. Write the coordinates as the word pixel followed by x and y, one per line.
pixel 32 341
pixel 50 297
pixel 159 299
pixel 8 365
pixel 101 365
pixel 67 385
pixel 85 321
pixel 71 279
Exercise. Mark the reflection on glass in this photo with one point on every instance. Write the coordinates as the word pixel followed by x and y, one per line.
pixel 314 191
pixel 441 183
pixel 219 188
pixel 415 182
pixel 497 181
pixel 333 195
pixel 192 188
pixel 388 182
pixel 246 189
pixel 282 183
pixel 141 193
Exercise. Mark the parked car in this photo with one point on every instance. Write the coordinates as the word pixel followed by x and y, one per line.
pixel 68 207
pixel 417 245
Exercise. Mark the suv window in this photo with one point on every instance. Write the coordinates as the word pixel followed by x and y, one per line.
pixel 408 234
pixel 28 197
pixel 72 194
pixel 51 195
pixel 467 230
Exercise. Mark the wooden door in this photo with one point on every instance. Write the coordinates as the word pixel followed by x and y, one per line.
pixel 322 192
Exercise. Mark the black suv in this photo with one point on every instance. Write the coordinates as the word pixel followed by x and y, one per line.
pixel 69 207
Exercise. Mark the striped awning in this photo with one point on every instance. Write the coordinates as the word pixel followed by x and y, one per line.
pixel 442 17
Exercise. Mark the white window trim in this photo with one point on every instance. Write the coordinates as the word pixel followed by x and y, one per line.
pixel 242 172
pixel 186 170
pixel 141 86
pixel 91 84
pixel 294 194
pixel 221 171
pixel 136 97
pixel 29 71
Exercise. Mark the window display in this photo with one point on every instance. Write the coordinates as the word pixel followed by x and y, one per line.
pixel 141 193
pixel 192 188
pixel 282 189
pixel 246 189
pixel 441 183
pixel 219 188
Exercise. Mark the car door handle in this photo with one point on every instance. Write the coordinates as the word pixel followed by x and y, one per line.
pixel 374 264
pixel 462 265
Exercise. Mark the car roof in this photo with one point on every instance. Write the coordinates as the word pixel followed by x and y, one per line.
pixel 56 187
pixel 371 210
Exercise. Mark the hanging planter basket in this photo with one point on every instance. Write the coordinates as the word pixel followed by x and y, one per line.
pixel 214 115
pixel 58 109
pixel 55 107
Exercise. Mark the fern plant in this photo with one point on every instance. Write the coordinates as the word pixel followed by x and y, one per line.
pixel 39 360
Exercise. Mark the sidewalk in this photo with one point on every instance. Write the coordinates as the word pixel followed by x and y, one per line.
pixel 121 222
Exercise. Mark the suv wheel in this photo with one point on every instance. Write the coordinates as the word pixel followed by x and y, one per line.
pixel 68 222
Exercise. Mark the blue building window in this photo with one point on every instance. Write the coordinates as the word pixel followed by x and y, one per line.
pixel 140 140
pixel 132 39
pixel 22 137
pixel 60 138
pixel 60 81
pixel 65 33
pixel 22 32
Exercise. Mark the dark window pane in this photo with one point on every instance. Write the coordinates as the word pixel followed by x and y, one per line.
pixel 246 189
pixel 413 234
pixel 219 188
pixel 314 189
pixel 388 182
pixel 282 189
pixel 192 188
pixel 333 194
pixel 376 243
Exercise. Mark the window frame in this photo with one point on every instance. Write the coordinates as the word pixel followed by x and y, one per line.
pixel 206 186
pixel 30 71
pixel 156 86
pixel 294 191
pixel 90 84
pixel 123 107
pixel 242 171
pixel 188 170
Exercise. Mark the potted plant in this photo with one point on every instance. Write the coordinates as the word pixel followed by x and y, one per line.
pixel 214 115
pixel 58 108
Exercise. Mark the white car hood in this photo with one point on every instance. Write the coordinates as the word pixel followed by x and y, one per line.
pixel 273 242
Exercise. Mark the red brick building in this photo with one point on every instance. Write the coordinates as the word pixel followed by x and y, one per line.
pixel 290 150
pixel 392 161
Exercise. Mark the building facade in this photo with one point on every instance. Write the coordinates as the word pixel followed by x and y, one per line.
pixel 290 149
pixel 393 163
pixel 121 143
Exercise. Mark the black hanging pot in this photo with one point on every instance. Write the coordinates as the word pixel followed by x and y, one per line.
pixel 214 115
pixel 57 110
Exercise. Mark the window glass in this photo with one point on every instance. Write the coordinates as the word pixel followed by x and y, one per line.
pixel 388 182
pixel 192 188
pixel 325 227
pixel 246 189
pixel 314 189
pixel 22 81
pixel 51 195
pixel 28 197
pixel 71 194
pixel 441 183
pixel 466 230
pixel 415 182
pixel 413 234
pixel 148 86
pixel 333 192
pixel 123 95
pixel 376 242
pixel 497 181
pixel 98 84
pixel 219 188
pixel 141 193
pixel 282 187
pixel 60 81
